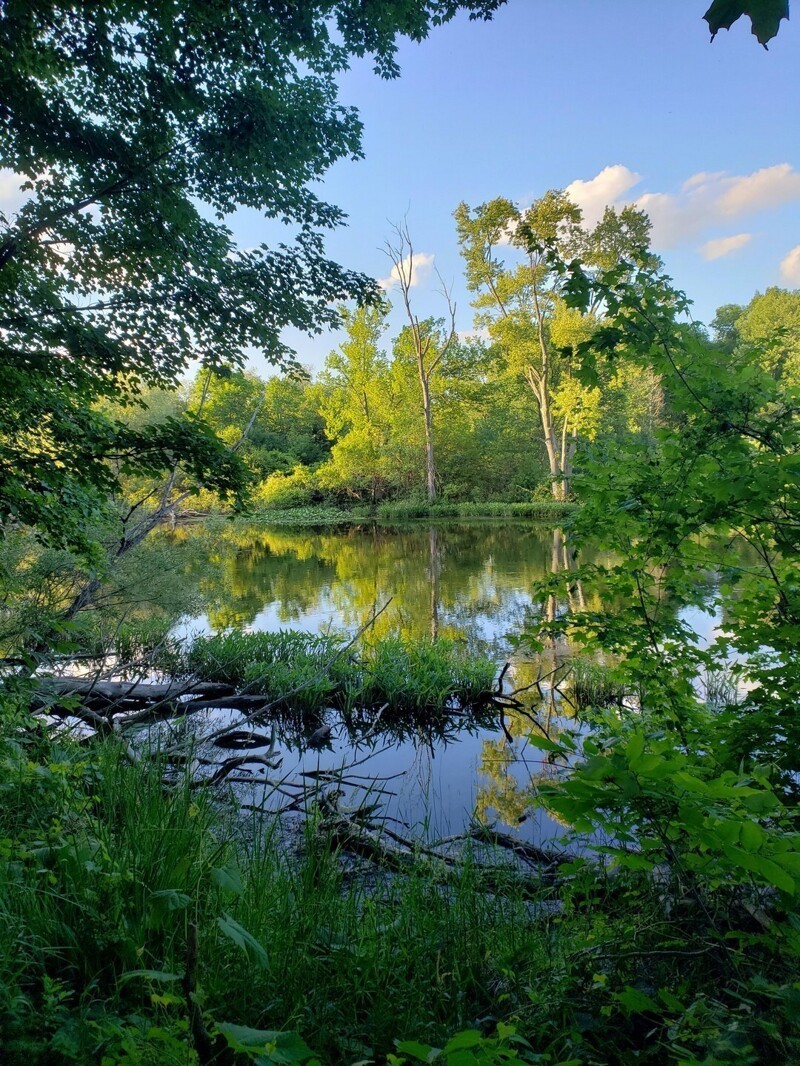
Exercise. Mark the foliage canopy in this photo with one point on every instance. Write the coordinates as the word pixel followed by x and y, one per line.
pixel 139 130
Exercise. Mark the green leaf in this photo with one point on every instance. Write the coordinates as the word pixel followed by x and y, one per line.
pixel 690 783
pixel 169 899
pixel 752 836
pixel 150 975
pixel 635 747
pixel 246 941
pixel 274 1046
pixel 466 1039
pixel 229 879
pixel 636 1002
pixel 633 861
pixel 764 868
pixel 422 1052
pixel 546 744
pixel 671 1000
pixel 765 16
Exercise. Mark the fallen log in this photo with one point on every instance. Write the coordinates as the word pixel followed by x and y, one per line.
pixel 539 856
pixel 114 691
pixel 343 833
pixel 226 703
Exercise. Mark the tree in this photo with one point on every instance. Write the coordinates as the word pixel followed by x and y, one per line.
pixel 523 308
pixel 727 469
pixel 723 327
pixel 139 129
pixel 356 405
pixel 274 424
pixel 770 327
pixel 429 344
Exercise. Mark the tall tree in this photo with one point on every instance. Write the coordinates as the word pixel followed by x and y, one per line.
pixel 522 306
pixel 770 327
pixel 356 405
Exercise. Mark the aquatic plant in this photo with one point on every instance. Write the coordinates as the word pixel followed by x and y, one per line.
pixel 309 673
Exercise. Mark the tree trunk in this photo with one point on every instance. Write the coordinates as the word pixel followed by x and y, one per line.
pixel 430 466
pixel 559 486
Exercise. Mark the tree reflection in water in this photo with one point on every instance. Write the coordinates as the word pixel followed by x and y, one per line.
pixel 470 582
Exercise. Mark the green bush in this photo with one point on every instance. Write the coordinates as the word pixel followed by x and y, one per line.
pixel 281 492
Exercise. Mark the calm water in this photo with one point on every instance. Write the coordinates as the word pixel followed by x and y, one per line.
pixel 469 582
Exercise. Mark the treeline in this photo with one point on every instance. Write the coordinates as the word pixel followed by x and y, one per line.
pixel 507 413
pixel 355 434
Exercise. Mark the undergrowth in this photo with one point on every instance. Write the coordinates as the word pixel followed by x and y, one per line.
pixel 133 915
pixel 105 875
pixel 542 510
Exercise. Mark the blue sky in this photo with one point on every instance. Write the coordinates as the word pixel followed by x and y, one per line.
pixel 627 97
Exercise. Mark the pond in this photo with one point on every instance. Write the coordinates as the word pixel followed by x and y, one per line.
pixel 469 582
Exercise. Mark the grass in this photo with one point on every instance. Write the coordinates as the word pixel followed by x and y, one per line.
pixel 310 673
pixel 540 510
pixel 593 685
pixel 103 874
pixel 409 510
pixel 312 515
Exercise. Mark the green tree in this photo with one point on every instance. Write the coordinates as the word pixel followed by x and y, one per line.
pixel 356 408
pixel 522 306
pixel 770 327
pixel 139 129
pixel 723 326
pixel 273 424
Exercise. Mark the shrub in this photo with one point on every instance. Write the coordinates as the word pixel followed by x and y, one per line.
pixel 284 491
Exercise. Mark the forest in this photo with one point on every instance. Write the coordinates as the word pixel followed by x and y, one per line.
pixel 435 704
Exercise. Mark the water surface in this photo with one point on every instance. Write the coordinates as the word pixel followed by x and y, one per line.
pixel 474 583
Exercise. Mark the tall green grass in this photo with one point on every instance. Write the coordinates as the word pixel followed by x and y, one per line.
pixel 593 685
pixel 310 515
pixel 103 873
pixel 108 879
pixel 540 510
pixel 309 673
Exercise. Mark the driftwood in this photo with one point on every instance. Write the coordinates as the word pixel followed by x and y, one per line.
pixel 226 703
pixel 145 691
pixel 348 834
pixel 530 852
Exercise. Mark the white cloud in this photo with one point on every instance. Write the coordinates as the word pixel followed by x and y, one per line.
pixel 720 246
pixel 704 177
pixel 420 266
pixel 764 189
pixel 510 228
pixel 675 219
pixel 790 267
pixel 481 333
pixel 601 191
pixel 705 200
pixel 709 199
